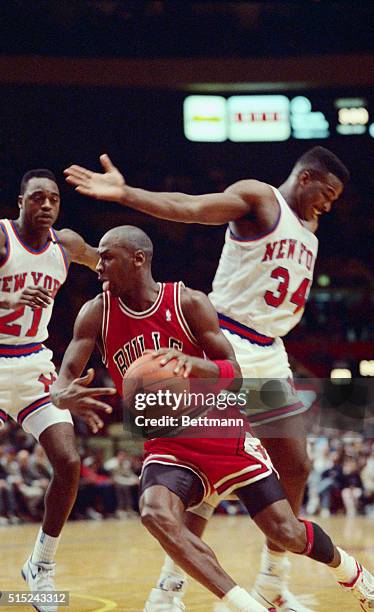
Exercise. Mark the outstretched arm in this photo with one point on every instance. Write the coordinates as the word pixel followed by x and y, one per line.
pixel 236 202
pixel 71 391
pixel 77 249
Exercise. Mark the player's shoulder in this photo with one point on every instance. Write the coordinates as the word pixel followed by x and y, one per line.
pixel 251 187
pixel 70 239
pixel 3 234
pixel 3 242
pixel 93 306
pixel 193 299
pixel 91 313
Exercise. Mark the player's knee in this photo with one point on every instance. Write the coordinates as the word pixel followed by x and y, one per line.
pixel 288 533
pixel 160 522
pixel 67 465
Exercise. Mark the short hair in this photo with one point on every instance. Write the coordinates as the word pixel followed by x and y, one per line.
pixel 322 160
pixel 37 173
pixel 131 237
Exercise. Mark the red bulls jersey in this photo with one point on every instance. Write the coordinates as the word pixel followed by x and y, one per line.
pixel 222 463
pixel 126 333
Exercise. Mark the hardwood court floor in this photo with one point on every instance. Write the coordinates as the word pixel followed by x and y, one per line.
pixel 111 565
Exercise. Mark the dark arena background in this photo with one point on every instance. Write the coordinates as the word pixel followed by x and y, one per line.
pixel 83 77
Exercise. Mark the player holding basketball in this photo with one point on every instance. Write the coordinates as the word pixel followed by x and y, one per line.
pixel 260 288
pixel 34 260
pixel 134 314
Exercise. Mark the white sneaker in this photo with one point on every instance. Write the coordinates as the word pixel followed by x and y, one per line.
pixel 163 601
pixel 362 588
pixel 280 599
pixel 39 577
pixel 271 590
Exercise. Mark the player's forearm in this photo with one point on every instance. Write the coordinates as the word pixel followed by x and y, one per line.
pixel 164 205
pixel 206 368
pixel 69 371
pixel 59 386
pixel 180 207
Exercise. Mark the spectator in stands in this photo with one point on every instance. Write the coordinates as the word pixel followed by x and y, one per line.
pixel 29 483
pixel 125 480
pixel 367 478
pixel 351 486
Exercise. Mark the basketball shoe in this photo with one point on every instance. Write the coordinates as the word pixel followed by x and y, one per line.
pixel 362 588
pixel 163 601
pixel 39 577
pixel 270 588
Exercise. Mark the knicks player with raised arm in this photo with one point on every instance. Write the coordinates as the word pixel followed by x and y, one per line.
pixel 260 288
pixel 134 314
pixel 34 260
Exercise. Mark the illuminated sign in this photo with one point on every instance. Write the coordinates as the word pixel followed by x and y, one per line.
pixel 367 367
pixel 205 118
pixel 305 122
pixel 258 118
pixel 353 116
pixel 271 118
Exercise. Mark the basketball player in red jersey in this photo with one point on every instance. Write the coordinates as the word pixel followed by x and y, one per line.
pixel 34 260
pixel 259 291
pixel 135 314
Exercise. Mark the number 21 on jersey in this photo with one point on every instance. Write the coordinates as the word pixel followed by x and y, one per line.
pixel 10 328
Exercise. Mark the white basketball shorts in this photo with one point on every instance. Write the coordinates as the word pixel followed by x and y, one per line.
pixel 267 380
pixel 26 374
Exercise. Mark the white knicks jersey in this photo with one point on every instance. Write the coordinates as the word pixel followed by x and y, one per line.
pixel 264 282
pixel 24 267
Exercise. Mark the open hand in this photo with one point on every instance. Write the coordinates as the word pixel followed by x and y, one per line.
pixel 105 186
pixel 79 398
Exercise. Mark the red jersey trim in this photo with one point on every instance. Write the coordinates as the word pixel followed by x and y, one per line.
pixel 234 475
pixel 27 248
pixel 145 313
pixel 179 312
pixel 8 243
pixel 242 481
pixel 105 325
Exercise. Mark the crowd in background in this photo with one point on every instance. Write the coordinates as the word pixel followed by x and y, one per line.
pixel 341 480
pixel 108 482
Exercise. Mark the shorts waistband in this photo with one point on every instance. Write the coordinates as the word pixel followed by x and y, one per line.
pixel 20 350
pixel 243 331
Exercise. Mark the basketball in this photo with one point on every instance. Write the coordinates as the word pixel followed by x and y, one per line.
pixel 148 386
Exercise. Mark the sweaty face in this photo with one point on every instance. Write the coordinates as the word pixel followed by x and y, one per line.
pixel 40 203
pixel 114 268
pixel 316 194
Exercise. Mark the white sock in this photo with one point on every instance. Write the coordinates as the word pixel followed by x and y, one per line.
pixel 242 601
pixel 172 577
pixel 347 569
pixel 274 564
pixel 45 548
